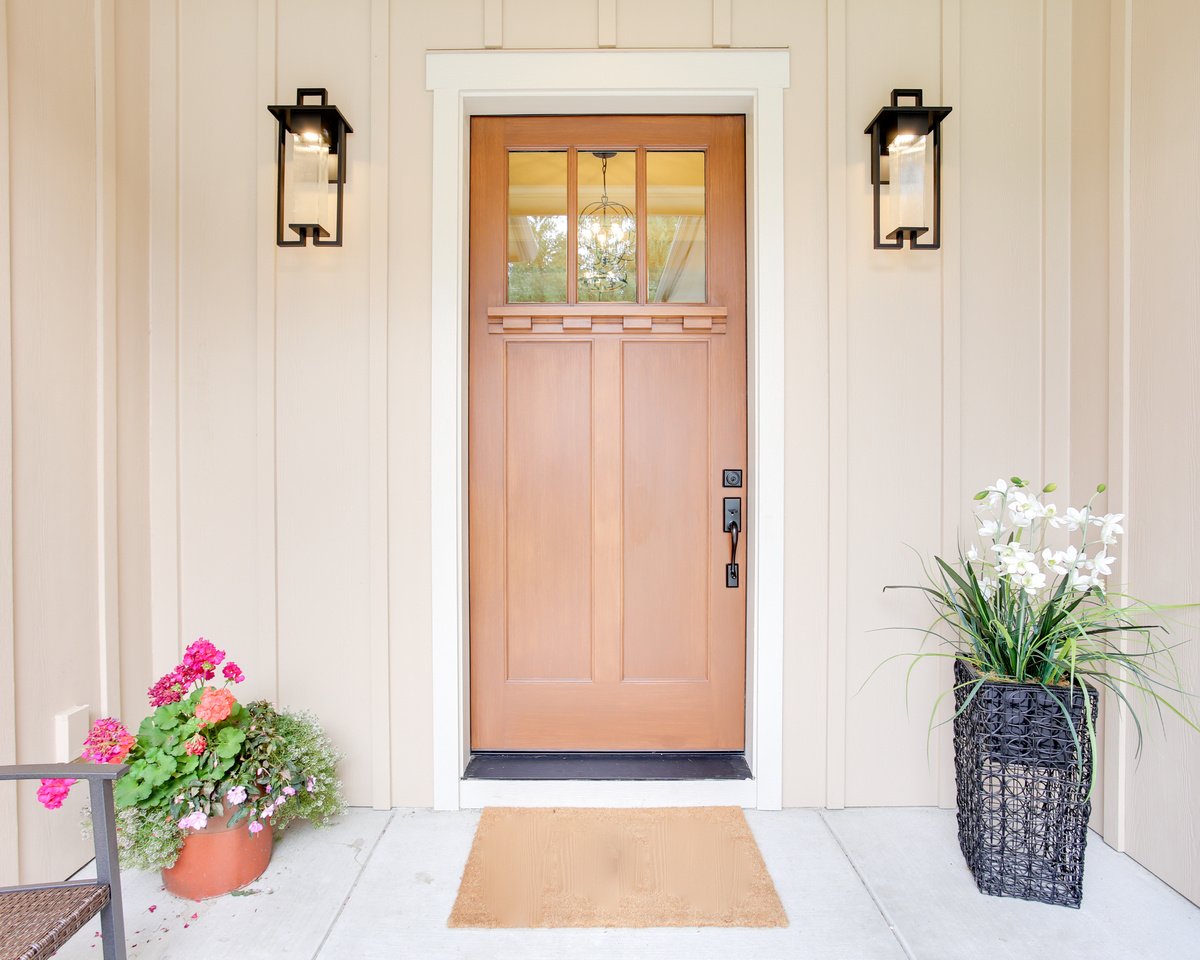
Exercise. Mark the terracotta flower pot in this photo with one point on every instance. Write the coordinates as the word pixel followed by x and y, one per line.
pixel 219 859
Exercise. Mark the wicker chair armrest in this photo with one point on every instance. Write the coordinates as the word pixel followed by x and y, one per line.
pixel 76 771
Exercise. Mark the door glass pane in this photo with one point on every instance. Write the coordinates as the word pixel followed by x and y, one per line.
pixel 537 227
pixel 675 242
pixel 607 226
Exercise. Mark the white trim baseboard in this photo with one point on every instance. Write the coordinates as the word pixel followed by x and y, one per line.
pixel 475 794
pixel 468 83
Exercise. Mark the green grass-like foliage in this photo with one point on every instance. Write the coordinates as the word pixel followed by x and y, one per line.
pixel 1033 607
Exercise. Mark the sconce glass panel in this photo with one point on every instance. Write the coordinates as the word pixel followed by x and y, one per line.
pixel 309 184
pixel 909 186
pixel 676 247
pixel 608 239
pixel 537 227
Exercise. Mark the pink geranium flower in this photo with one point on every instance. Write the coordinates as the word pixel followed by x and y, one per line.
pixel 233 673
pixel 215 705
pixel 169 688
pixel 53 792
pixel 108 742
pixel 196 746
pixel 202 658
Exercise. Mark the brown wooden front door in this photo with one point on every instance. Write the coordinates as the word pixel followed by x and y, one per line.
pixel 607 396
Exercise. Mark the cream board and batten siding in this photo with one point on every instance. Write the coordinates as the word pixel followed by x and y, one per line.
pixel 1162 460
pixel 273 444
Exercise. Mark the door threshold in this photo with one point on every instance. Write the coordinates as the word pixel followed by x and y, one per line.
pixel 607 766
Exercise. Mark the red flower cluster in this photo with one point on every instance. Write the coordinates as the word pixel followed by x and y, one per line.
pixel 108 741
pixel 196 746
pixel 202 658
pixel 200 662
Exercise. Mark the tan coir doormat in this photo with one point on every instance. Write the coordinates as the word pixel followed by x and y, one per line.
pixel 655 867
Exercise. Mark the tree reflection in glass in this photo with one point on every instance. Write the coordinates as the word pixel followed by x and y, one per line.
pixel 537 227
pixel 676 247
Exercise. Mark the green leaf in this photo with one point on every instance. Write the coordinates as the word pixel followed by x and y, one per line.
pixel 229 742
pixel 130 791
pixel 981 495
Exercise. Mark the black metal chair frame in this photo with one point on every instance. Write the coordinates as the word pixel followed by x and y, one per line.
pixel 100 777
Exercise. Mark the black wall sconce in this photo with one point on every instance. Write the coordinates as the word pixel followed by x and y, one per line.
pixel 906 158
pixel 312 170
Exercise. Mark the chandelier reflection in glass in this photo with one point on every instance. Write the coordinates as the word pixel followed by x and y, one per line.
pixel 607 238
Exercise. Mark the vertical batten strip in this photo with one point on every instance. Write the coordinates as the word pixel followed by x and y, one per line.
pixel 606 23
pixel 765 346
pixel 722 23
pixel 951 254
pixel 266 506
pixel 493 23
pixel 1116 721
pixel 8 687
pixel 839 466
pixel 108 626
pixel 1056 242
pixel 447 445
pixel 377 401
pixel 164 336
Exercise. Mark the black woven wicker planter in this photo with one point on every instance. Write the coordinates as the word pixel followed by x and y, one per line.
pixel 1023 802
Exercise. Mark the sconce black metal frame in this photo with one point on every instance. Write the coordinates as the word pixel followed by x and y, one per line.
pixel 918 120
pixel 296 118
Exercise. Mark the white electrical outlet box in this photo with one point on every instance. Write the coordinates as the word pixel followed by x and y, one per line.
pixel 70 729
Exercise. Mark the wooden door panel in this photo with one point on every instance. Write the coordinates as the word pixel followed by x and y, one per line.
pixel 548 510
pixel 598 433
pixel 666 529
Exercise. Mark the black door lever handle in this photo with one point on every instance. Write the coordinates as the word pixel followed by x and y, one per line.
pixel 731 523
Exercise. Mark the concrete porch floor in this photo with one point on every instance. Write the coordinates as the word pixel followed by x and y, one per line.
pixel 856 884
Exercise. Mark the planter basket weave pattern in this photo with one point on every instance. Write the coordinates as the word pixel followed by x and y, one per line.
pixel 1023 802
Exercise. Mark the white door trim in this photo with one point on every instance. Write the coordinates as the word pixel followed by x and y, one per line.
pixel 469 83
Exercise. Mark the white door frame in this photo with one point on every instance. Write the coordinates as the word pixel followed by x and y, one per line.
pixel 470 83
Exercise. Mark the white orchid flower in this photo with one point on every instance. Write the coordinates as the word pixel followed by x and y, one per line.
pixel 1081 582
pixel 973 553
pixel 1110 526
pixel 1000 488
pixel 990 529
pixel 1049 512
pixel 1101 566
pixel 1018 562
pixel 1073 520
pixel 1061 562
pixel 988 586
pixel 1023 509
pixel 1005 550
pixel 1032 582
